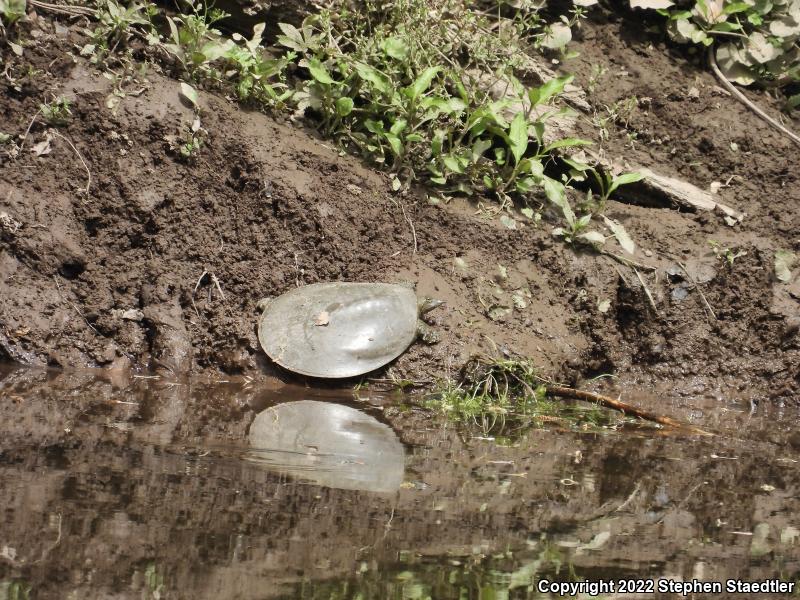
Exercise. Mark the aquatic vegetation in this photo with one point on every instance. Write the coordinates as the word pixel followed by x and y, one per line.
pixel 505 395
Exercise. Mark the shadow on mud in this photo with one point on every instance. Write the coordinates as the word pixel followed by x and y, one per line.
pixel 140 488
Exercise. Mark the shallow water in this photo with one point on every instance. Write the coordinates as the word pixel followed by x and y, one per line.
pixel 122 488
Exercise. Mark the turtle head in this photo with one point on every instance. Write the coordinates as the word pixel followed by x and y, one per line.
pixel 262 304
pixel 427 304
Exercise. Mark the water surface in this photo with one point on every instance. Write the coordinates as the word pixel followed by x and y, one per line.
pixel 122 488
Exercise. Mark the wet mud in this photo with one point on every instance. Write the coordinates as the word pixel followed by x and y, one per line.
pixel 160 265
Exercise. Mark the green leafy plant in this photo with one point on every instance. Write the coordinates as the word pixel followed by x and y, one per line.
pixel 389 88
pixel 15 590
pixel 725 254
pixel 11 11
pixel 205 55
pixel 756 40
pixel 608 183
pixel 194 41
pixel 116 24
pixel 257 76
pixel 577 229
pixel 57 112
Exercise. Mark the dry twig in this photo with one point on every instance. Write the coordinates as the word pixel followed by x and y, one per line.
pixel 628 409
pixel 744 100
pixel 78 154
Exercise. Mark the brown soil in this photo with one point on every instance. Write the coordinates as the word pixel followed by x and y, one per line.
pixel 126 274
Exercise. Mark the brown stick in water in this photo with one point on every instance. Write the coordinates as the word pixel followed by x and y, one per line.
pixel 608 402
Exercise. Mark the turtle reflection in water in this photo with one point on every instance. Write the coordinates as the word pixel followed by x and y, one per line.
pixel 341 329
pixel 329 444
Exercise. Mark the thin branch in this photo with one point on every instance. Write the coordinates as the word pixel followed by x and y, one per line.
pixel 74 11
pixel 28 130
pixel 410 224
pixel 78 154
pixel 744 100
pixel 628 262
pixel 628 409
pixel 699 291
pixel 646 290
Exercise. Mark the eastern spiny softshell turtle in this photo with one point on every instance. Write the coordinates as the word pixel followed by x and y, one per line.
pixel 342 329
pixel 330 444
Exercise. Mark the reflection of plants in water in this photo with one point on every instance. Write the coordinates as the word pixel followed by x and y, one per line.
pixel 154 582
pixel 505 396
pixel 500 576
pixel 14 590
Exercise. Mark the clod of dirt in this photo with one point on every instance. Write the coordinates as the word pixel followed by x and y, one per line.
pixel 171 344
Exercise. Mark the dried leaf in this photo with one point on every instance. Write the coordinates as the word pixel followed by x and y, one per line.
pixel 460 266
pixel 761 50
pixel 322 319
pixel 558 36
pixel 784 27
pixel 593 237
pixel 519 300
pixel 784 261
pixel 508 222
pixel 651 4
pixel 621 234
pixel 42 147
pixel 598 541
pixel 604 305
pixel 189 93
pixel 730 62
pixel 498 312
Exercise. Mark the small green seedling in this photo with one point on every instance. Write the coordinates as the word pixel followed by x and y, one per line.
pixel 725 254
pixel 57 112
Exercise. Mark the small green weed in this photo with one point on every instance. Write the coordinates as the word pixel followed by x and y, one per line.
pixel 188 144
pixel 257 76
pixel 56 113
pixel 15 590
pixel 116 24
pixel 154 581
pixel 755 40
pixel 502 396
pixel 204 54
pixel 725 254
pixel 11 11
pixel 577 229
pixel 194 41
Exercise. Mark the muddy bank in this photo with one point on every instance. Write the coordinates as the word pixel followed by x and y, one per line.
pixel 126 275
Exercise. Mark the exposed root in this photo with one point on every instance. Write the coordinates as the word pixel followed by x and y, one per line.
pixel 744 100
